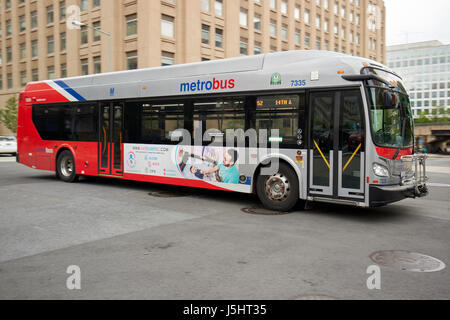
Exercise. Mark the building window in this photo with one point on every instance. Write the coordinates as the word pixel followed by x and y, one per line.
pixel 63 70
pixel 50 45
pixel 97 65
pixel 34 48
pixel 243 18
pixel 273 4
pixel 8 54
pixel 318 44
pixel 167 26
pixel 50 17
pixel 62 10
pixel 131 21
pixel 23 51
pixel 297 12
pixel 273 28
pixel 297 37
pixel 167 58
pixel 22 24
pixel 23 78
pixel 84 5
pixel 219 38
pixel 34 20
pixel 84 35
pixel 318 22
pixel 218 8
pixel 244 46
pixel 132 60
pixel 306 18
pixel 1 83
pixel 62 38
pixel 257 22
pixel 284 7
pixel 9 80
pixel 96 32
pixel 205 34
pixel 307 40
pixel 84 67
pixel 96 4
pixel 51 72
pixel 8 28
pixel 284 32
pixel 326 25
pixel 34 75
pixel 257 47
pixel 206 5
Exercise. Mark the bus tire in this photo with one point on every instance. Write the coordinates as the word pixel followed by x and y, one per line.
pixel 279 192
pixel 65 167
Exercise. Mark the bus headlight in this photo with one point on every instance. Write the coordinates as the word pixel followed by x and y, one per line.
pixel 380 170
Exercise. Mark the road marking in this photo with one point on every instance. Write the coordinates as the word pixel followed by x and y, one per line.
pixel 7 159
pixel 438 169
pixel 438 185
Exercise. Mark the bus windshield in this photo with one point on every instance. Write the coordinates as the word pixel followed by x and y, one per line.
pixel 392 126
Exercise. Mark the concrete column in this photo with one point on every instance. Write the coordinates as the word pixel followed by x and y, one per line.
pixel 232 28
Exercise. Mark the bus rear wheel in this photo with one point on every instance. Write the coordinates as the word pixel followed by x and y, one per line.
pixel 65 167
pixel 279 192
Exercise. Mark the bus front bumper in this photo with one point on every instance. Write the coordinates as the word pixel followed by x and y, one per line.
pixel 383 195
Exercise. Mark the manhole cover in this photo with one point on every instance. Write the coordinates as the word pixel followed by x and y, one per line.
pixel 262 211
pixel 315 297
pixel 167 194
pixel 407 261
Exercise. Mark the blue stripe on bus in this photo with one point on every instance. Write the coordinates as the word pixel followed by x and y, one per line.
pixel 75 94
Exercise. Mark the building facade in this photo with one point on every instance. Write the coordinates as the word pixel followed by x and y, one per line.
pixel 38 39
pixel 425 68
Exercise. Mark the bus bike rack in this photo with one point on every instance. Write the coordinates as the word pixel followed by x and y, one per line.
pixel 417 164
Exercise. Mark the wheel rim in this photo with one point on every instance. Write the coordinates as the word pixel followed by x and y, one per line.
pixel 66 166
pixel 277 187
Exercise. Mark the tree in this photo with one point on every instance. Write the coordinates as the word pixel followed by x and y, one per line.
pixel 8 116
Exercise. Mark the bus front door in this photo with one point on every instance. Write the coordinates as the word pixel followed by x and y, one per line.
pixel 111 139
pixel 337 145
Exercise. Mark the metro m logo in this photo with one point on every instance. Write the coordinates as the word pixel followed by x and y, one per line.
pixel 184 87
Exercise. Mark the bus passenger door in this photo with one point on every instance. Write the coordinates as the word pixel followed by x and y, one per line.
pixel 351 148
pixel 337 145
pixel 111 139
pixel 321 152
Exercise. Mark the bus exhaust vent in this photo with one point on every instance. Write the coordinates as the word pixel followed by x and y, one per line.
pixel 262 211
pixel 407 261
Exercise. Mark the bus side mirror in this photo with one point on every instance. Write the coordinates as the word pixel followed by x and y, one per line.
pixel 389 100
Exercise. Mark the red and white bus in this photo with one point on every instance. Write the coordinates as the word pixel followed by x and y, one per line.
pixel 339 128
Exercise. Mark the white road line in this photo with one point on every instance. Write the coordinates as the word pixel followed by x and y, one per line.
pixel 438 185
pixel 7 159
pixel 438 169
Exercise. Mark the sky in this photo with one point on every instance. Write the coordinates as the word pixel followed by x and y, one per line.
pixel 417 20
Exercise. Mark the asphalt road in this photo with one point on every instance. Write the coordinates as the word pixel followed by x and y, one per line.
pixel 200 245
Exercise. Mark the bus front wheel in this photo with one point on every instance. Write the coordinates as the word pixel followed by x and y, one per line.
pixel 65 167
pixel 280 191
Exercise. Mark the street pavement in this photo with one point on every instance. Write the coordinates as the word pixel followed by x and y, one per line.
pixel 199 244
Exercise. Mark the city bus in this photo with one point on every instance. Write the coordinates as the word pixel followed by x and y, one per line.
pixel 290 126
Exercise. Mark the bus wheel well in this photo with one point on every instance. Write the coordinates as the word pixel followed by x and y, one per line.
pixel 258 170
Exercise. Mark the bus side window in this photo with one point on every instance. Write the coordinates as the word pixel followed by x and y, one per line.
pixel 283 118
pixel 159 121
pixel 213 120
